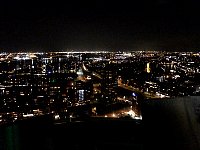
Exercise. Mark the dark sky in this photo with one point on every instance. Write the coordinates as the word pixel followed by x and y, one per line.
pixel 99 24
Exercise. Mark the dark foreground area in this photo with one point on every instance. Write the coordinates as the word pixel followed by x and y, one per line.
pixel 167 124
pixel 94 134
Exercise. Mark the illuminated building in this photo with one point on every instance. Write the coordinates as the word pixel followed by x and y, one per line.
pixel 148 68
pixel 83 90
pixel 109 83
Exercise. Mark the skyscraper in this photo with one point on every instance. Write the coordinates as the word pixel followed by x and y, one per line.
pixel 109 82
pixel 148 68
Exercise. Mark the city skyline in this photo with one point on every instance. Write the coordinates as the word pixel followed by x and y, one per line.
pixel 97 84
pixel 99 74
pixel 130 100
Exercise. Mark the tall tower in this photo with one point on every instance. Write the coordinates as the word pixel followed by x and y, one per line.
pixel 148 68
pixel 108 83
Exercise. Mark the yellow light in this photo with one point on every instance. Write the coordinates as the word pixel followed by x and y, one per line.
pixel 148 68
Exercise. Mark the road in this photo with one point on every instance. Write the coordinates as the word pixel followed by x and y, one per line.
pixel 82 78
pixel 127 111
pixel 147 95
pixel 120 84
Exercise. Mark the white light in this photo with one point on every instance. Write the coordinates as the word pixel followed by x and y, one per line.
pixel 131 113
pixel 28 115
pixel 89 77
pixel 162 96
pixel 138 117
pixel 57 117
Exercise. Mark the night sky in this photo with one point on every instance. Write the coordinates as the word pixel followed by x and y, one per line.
pixel 99 24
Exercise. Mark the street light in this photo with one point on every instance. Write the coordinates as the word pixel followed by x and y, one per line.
pixel 70 118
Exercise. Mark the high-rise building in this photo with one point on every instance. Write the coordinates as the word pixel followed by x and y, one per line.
pixel 108 83
pixel 148 68
pixel 83 90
